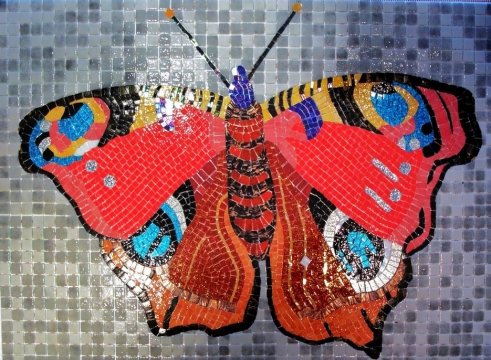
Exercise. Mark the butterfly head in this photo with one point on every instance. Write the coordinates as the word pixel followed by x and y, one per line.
pixel 241 91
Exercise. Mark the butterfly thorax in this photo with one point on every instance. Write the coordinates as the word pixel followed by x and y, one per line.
pixel 251 198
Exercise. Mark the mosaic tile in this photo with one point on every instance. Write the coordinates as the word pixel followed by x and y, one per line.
pixel 307 158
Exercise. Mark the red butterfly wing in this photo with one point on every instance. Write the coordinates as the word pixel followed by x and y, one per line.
pixel 114 155
pixel 384 176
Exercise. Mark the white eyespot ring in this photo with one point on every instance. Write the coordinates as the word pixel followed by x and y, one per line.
pixel 393 256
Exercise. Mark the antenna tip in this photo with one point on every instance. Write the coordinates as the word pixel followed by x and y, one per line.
pixel 297 7
pixel 169 13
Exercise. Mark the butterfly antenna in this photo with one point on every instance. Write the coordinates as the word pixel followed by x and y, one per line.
pixel 295 8
pixel 170 14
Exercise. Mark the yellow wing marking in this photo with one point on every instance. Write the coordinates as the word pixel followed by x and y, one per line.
pixel 146 114
pixel 55 114
pixel 296 94
pixel 326 108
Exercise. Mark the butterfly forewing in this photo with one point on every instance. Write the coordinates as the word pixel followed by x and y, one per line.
pixel 105 147
pixel 379 144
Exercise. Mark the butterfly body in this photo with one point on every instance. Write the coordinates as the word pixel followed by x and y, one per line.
pixel 251 196
pixel 332 183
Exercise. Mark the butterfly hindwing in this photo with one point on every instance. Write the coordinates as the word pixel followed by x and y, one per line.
pixel 204 279
pixel 314 295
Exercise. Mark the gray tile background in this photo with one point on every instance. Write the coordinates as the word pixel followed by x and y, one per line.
pixel 58 300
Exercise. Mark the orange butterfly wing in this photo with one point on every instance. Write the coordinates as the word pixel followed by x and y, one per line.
pixel 210 282
pixel 309 293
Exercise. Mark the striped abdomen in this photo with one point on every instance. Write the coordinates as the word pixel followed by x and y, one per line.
pixel 251 198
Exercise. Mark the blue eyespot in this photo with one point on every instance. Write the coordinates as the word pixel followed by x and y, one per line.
pixel 389 104
pixel 143 242
pixel 155 239
pixel 360 252
pixel 38 157
pixel 78 118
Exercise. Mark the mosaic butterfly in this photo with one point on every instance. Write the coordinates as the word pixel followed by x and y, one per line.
pixel 332 183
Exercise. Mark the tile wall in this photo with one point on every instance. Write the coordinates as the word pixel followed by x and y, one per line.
pixel 59 300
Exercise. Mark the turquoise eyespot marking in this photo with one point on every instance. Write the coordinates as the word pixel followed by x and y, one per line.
pixel 143 242
pixel 359 243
